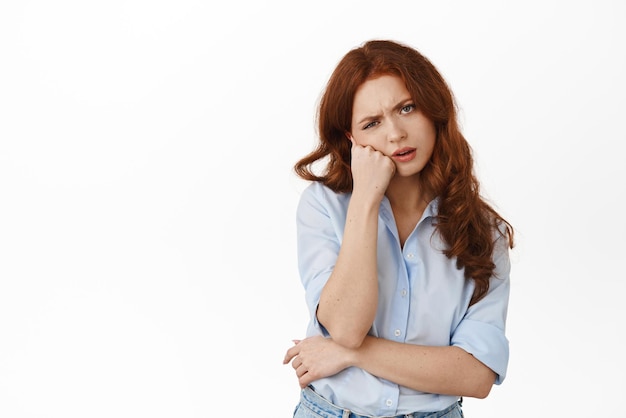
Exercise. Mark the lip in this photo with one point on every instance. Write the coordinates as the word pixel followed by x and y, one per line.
pixel 404 154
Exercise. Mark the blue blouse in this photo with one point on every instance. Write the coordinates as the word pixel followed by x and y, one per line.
pixel 423 299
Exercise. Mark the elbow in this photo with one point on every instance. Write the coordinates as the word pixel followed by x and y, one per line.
pixel 348 340
pixel 482 391
pixel 479 378
pixel 482 386
pixel 346 336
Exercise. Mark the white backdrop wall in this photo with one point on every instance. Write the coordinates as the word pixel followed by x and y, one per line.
pixel 147 202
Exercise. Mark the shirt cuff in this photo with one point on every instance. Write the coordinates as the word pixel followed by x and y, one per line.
pixel 486 343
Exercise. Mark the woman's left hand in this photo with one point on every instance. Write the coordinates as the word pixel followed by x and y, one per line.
pixel 317 357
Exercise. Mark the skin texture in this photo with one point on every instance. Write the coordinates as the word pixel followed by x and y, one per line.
pixel 392 141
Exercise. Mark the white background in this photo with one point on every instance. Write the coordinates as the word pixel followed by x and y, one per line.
pixel 147 202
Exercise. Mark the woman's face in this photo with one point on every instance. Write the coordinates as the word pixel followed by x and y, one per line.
pixel 384 117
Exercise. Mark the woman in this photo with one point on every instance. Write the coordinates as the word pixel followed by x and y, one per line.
pixel 405 266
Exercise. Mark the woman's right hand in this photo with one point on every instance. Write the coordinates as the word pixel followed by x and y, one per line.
pixel 371 170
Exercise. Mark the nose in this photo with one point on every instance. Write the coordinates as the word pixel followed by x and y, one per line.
pixel 395 130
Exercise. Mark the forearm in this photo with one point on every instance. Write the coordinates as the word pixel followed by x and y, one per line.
pixel 349 299
pixel 443 370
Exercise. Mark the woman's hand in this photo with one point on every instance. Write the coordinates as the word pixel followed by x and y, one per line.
pixel 371 170
pixel 317 357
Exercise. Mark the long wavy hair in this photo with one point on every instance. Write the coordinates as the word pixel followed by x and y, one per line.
pixel 466 222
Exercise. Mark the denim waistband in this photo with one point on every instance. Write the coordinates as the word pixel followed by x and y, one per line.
pixel 319 405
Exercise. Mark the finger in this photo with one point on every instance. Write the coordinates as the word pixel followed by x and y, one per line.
pixel 394 167
pixel 305 380
pixel 301 371
pixel 291 353
pixel 287 358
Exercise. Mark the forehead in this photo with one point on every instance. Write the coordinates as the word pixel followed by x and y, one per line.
pixel 379 93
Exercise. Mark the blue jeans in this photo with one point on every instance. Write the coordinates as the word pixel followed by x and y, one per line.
pixel 313 405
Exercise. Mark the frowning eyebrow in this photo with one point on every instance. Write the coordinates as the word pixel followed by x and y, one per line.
pixel 397 107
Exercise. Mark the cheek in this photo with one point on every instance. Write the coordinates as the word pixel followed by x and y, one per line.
pixel 429 144
pixel 429 136
pixel 431 148
pixel 364 140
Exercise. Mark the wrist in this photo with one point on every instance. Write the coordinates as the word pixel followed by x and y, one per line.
pixel 352 357
pixel 366 200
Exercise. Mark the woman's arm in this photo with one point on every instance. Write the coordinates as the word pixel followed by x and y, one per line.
pixel 349 299
pixel 444 370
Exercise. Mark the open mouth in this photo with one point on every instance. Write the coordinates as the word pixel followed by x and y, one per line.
pixel 406 152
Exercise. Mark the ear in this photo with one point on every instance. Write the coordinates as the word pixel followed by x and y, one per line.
pixel 349 136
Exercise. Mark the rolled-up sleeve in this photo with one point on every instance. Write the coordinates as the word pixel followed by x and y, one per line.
pixel 482 330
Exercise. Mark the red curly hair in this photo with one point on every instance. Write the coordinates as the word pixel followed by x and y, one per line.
pixel 465 221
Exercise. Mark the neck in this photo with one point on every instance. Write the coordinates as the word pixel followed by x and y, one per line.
pixel 407 194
